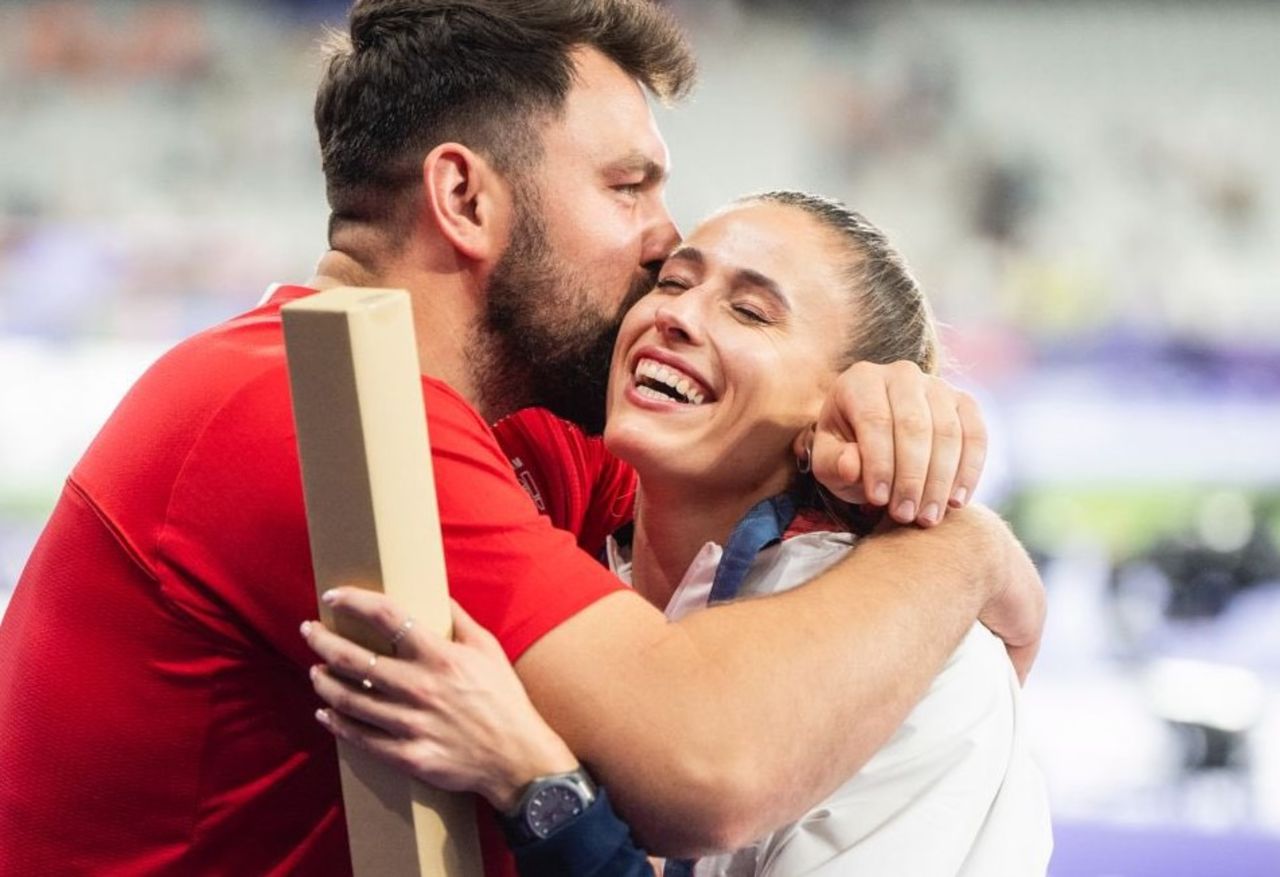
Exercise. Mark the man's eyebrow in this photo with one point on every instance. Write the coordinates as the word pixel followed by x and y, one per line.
pixel 741 276
pixel 638 162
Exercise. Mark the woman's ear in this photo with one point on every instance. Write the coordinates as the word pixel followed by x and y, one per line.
pixel 802 447
pixel 467 200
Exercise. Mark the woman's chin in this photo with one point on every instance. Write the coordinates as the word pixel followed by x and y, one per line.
pixel 630 442
pixel 640 446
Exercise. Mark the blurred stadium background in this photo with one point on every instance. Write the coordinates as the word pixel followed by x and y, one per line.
pixel 1090 192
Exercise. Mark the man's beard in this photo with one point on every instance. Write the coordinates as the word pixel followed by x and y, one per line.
pixel 541 341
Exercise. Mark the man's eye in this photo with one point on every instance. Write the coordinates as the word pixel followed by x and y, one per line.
pixel 750 314
pixel 628 188
pixel 672 284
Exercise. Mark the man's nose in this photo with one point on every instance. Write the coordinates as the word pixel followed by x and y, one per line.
pixel 661 236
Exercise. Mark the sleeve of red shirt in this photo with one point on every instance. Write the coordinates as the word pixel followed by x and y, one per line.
pixel 508 566
pixel 570 476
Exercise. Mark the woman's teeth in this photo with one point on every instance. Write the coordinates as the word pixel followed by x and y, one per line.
pixel 657 381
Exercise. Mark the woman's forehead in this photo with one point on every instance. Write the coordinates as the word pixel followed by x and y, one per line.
pixel 765 234
pixel 779 241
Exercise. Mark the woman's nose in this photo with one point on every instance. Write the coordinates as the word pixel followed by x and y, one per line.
pixel 678 319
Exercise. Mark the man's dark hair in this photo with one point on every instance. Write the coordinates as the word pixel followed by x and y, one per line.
pixel 412 74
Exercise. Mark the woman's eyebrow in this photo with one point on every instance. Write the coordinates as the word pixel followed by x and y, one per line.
pixel 765 283
pixel 687 253
pixel 741 276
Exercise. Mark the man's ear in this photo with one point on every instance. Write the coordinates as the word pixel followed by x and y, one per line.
pixel 468 201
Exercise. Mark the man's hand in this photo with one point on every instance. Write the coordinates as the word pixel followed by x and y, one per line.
pixel 1013 596
pixel 891 435
pixel 1016 611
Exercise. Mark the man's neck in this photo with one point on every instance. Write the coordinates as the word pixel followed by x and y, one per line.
pixel 444 312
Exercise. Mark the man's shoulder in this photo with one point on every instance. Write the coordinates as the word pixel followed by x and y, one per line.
pixel 246 354
pixel 241 363
pixel 224 387
pixel 442 398
pixel 190 383
pixel 227 354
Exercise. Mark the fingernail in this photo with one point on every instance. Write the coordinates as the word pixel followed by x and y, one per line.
pixel 306 628
pixel 314 672
pixel 906 510
pixel 880 495
pixel 328 597
pixel 931 513
pixel 961 495
pixel 322 716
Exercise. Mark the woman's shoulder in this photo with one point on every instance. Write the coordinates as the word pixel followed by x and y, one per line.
pixel 795 560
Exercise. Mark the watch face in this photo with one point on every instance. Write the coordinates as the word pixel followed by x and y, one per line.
pixel 551 807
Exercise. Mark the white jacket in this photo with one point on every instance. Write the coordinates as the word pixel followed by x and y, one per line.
pixel 953 792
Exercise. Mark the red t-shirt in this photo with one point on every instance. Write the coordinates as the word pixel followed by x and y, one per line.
pixel 570 477
pixel 157 715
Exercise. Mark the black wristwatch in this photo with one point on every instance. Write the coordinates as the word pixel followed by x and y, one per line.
pixel 548 803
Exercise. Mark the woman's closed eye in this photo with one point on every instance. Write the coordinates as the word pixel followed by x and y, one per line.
pixel 751 314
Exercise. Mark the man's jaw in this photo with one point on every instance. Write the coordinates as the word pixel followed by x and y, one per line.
pixel 641 285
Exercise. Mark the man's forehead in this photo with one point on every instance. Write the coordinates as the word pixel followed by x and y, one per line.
pixel 608 108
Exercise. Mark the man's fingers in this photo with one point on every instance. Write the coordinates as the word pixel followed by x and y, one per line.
pixel 892 435
pixel 939 485
pixel 913 445
pixel 876 449
pixel 849 468
pixel 834 467
pixel 973 450
pixel 861 414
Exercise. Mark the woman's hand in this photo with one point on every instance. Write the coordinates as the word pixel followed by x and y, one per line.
pixel 451 713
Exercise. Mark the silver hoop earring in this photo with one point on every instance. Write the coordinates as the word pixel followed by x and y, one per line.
pixel 804 460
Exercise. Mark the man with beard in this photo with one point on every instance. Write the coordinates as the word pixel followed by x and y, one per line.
pixel 499 161
pixel 537 312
